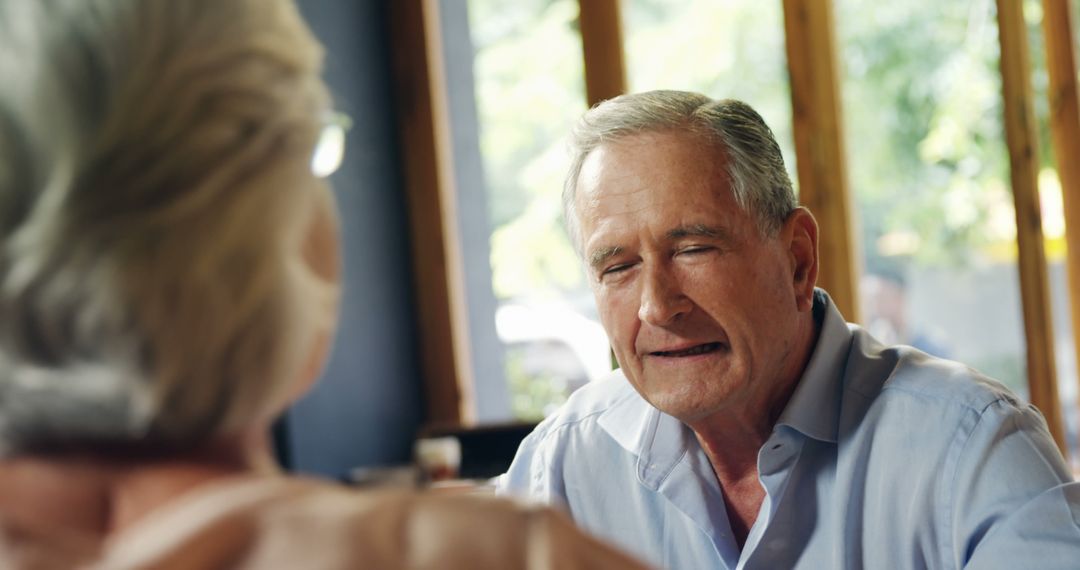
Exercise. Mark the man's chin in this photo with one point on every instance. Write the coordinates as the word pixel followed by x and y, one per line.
pixel 687 408
pixel 688 397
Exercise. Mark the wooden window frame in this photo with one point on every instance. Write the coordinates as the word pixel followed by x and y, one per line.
pixel 602 49
pixel 1022 140
pixel 428 169
pixel 1059 34
pixel 819 146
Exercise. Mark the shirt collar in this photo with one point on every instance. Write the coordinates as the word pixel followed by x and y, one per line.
pixel 814 407
pixel 660 440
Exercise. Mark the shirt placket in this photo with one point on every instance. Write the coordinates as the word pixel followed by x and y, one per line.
pixel 776 461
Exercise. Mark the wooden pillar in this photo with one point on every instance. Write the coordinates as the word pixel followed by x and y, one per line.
pixel 819 145
pixel 602 47
pixel 1058 31
pixel 1022 138
pixel 427 160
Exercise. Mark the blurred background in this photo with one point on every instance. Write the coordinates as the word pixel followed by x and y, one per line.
pixel 465 308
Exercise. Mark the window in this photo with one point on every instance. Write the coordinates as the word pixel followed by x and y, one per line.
pixel 529 91
pixel 724 49
pixel 930 180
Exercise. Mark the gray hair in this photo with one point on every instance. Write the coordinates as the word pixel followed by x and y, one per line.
pixel 754 165
pixel 155 192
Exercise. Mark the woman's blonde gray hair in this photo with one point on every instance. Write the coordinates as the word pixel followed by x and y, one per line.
pixel 155 194
pixel 751 155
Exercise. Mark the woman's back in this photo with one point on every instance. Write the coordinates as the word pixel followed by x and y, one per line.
pixel 277 522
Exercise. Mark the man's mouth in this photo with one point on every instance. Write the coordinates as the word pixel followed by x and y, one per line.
pixel 692 351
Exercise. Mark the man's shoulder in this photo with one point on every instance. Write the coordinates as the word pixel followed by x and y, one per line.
pixel 903 401
pixel 587 404
pixel 900 372
pixel 586 428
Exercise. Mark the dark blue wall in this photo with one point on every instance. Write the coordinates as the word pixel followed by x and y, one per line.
pixel 367 407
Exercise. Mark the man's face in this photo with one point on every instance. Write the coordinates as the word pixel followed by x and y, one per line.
pixel 699 307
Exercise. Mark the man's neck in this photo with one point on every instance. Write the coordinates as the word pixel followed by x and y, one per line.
pixel 732 440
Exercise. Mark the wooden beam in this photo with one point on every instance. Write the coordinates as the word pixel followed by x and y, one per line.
pixel 602 47
pixel 427 168
pixel 1058 31
pixel 819 145
pixel 1022 138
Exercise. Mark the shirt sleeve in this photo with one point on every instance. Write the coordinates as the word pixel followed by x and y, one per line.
pixel 534 473
pixel 1013 503
pixel 515 482
pixel 1043 533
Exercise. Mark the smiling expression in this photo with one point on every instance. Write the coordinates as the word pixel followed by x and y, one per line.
pixel 701 309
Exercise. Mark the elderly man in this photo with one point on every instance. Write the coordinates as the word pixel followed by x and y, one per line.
pixel 749 426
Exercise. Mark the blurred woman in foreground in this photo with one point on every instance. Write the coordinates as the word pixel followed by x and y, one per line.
pixel 168 282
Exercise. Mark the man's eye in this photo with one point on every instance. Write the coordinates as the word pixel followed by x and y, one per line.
pixel 615 269
pixel 695 249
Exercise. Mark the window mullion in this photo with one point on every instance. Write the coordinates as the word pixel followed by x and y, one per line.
pixel 1022 141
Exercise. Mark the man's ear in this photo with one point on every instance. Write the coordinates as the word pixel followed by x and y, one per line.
pixel 800 232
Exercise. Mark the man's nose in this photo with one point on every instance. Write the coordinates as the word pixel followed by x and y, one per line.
pixel 662 298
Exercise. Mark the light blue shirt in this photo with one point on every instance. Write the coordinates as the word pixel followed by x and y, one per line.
pixel 883 458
